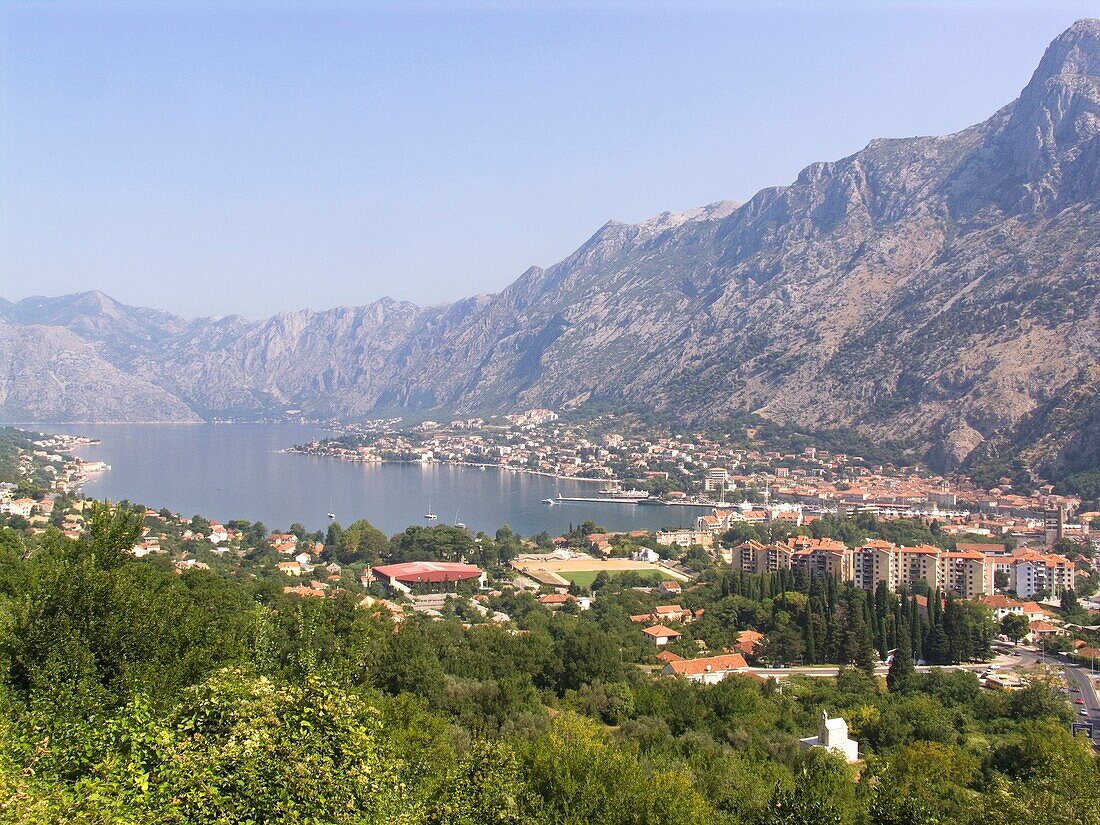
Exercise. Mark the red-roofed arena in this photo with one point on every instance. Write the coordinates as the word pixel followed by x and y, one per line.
pixel 427 572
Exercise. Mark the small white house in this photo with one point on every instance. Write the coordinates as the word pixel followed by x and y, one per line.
pixel 833 735
pixel 661 635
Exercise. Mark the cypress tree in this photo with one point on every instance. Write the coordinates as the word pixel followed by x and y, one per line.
pixel 901 666
pixel 916 630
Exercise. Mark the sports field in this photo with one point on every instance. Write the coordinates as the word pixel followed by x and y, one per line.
pixel 584 578
pixel 560 572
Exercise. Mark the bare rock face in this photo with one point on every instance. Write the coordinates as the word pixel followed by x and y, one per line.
pixel 939 290
pixel 49 374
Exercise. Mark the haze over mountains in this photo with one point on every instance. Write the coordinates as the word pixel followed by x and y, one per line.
pixel 939 290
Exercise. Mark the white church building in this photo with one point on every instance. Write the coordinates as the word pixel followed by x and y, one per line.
pixel 833 734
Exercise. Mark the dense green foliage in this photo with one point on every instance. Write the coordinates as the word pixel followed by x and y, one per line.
pixel 131 694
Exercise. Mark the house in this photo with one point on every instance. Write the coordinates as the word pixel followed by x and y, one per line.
pixel 1040 630
pixel 18 507
pixel 748 641
pixel 645 554
pixel 289 568
pixel 661 635
pixel 672 613
pixel 144 547
pixel 600 542
pixel 218 533
pixel 555 601
pixel 684 538
pixel 302 591
pixel 707 670
pixel 189 564
pixel 669 588
pixel 667 656
pixel 1002 606
pixel 1035 611
pixel 397 613
pixel 833 735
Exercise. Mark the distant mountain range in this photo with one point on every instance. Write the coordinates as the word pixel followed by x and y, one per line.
pixel 942 291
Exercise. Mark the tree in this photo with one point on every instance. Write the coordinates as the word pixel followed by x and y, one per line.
pixel 1015 626
pixel 360 542
pixel 782 646
pixel 110 532
pixel 900 675
pixel 822 793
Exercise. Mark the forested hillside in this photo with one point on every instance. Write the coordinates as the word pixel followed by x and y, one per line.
pixel 131 694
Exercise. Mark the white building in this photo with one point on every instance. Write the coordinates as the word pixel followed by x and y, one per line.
pixel 833 735
pixel 716 480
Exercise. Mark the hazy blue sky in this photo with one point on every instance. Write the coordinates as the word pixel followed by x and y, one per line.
pixel 214 157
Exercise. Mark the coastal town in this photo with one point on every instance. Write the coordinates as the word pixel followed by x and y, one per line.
pixel 758 512
pixel 723 473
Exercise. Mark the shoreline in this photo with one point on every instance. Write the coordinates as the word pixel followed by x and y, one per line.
pixel 449 462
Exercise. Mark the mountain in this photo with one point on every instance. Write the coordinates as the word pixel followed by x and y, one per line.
pixel 49 374
pixel 941 291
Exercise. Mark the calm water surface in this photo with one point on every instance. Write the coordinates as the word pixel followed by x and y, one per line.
pixel 226 471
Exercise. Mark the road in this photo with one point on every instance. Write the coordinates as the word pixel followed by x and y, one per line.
pixel 1001 660
pixel 1078 676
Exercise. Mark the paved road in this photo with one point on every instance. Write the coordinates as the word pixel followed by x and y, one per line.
pixel 1078 676
pixel 1002 659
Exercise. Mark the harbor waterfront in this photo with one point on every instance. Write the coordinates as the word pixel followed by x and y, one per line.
pixel 228 471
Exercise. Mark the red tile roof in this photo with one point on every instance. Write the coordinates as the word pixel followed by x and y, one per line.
pixel 709 664
pixel 660 630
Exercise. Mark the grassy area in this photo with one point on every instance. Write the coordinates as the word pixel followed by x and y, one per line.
pixel 584 578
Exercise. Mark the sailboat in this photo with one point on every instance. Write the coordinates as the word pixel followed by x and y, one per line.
pixel 430 516
pixel 460 525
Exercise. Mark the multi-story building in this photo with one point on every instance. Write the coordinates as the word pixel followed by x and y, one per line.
pixel 825 557
pixel 755 557
pixel 1054 519
pixel 917 564
pixel 968 574
pixel 874 562
pixel 716 480
pixel 1034 572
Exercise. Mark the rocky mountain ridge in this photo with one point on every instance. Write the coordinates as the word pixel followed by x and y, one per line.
pixel 938 290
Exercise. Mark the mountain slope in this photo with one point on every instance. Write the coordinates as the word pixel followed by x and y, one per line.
pixel 940 290
pixel 49 374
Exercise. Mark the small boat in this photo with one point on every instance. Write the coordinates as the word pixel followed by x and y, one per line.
pixel 430 516
pixel 548 501
pixel 332 515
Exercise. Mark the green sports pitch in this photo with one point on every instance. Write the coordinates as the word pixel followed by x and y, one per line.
pixel 584 578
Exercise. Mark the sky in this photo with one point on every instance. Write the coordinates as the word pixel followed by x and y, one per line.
pixel 211 158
